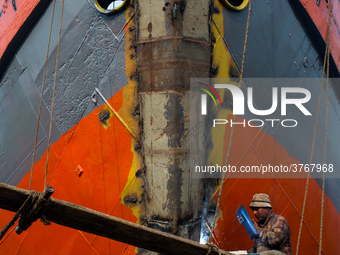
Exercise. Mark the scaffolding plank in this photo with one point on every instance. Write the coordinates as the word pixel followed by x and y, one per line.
pixel 91 221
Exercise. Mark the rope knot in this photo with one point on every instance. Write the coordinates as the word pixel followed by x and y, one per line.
pixel 33 209
pixel 212 246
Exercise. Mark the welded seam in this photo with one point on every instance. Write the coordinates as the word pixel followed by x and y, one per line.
pixel 87 241
pixel 16 170
pixel 170 38
pixel 7 235
pixel 20 245
pixel 73 131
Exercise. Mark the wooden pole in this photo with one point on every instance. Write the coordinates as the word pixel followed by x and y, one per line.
pixel 85 219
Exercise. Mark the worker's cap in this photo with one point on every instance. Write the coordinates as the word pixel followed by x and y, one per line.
pixel 260 200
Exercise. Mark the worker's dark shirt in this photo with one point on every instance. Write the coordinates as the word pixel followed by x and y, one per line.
pixel 274 234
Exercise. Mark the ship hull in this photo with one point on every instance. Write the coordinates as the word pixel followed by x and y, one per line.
pixel 93 159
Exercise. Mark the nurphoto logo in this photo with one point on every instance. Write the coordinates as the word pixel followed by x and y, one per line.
pixel 239 104
pixel 260 128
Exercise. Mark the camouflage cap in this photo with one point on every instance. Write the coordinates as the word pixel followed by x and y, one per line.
pixel 260 200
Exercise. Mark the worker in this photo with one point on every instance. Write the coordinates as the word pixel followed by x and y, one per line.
pixel 274 232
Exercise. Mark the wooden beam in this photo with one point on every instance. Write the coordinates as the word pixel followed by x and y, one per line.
pixel 94 222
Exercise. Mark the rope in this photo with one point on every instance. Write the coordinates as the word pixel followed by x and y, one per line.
pixel 325 134
pixel 29 200
pixel 54 86
pixel 41 97
pixel 310 162
pixel 326 59
pixel 232 130
pixel 213 236
pixel 245 42
pixel 211 246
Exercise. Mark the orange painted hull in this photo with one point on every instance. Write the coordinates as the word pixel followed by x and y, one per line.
pixel 13 16
pixel 100 185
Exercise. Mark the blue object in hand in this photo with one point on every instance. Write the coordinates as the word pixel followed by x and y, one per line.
pixel 244 219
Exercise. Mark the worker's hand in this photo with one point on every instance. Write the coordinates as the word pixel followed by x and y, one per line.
pixel 255 224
